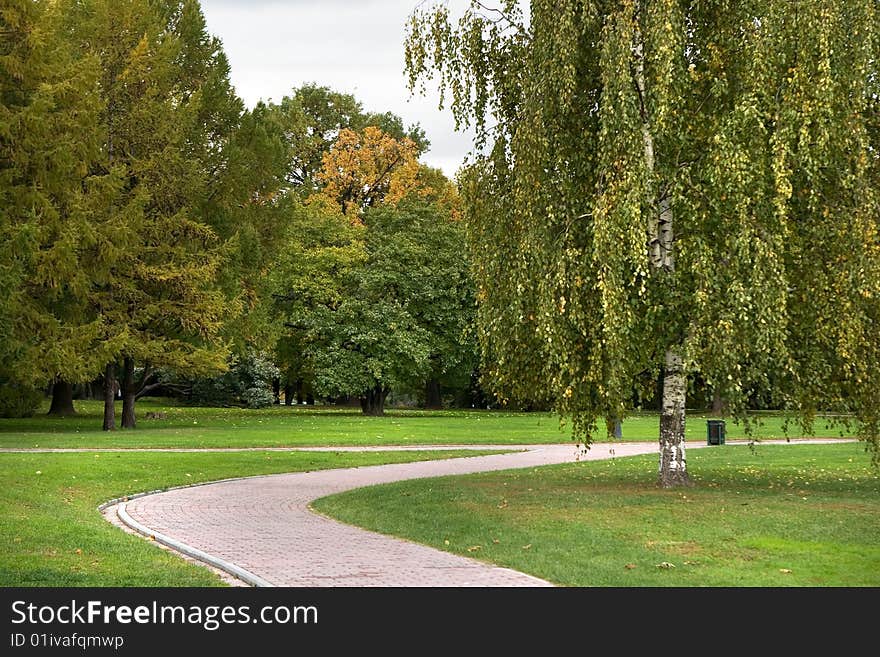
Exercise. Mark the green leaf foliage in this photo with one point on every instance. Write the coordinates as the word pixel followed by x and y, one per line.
pixel 321 249
pixel 381 305
pixel 762 117
pixel 248 381
pixel 191 216
pixel 49 139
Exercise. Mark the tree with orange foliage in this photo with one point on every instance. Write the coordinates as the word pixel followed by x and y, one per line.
pixel 363 169
pixel 368 168
pixel 376 292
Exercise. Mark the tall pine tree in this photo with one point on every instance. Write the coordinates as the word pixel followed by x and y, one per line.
pixel 49 108
pixel 167 108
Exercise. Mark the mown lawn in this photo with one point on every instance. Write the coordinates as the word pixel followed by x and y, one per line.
pixel 301 426
pixel 51 533
pixel 783 515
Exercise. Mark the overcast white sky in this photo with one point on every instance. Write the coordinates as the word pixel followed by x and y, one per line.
pixel 353 46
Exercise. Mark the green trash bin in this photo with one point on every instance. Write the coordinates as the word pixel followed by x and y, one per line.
pixel 715 430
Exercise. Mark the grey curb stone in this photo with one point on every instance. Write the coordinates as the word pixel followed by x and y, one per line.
pixel 222 564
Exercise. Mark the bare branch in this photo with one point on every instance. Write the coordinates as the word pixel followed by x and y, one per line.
pixel 502 17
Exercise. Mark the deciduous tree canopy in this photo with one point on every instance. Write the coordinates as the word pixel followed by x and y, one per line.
pixel 153 230
pixel 314 116
pixel 675 187
pixel 405 312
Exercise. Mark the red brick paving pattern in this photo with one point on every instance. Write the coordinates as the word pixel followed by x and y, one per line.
pixel 264 525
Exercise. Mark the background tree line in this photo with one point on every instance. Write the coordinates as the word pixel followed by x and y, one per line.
pixel 158 236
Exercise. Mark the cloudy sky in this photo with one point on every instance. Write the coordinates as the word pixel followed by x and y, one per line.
pixel 354 46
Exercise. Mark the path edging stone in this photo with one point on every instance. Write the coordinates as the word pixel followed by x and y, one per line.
pixel 226 566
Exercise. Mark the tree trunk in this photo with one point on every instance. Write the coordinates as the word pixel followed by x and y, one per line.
pixel 373 401
pixel 299 392
pixel 62 399
pixel 93 391
pixel 83 391
pixel 718 405
pixel 288 394
pixel 673 465
pixel 110 397
pixel 432 395
pixel 128 394
pixel 276 391
pixel 661 257
pixel 477 395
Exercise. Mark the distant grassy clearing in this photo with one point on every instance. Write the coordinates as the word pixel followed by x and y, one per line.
pixel 51 533
pixel 292 426
pixel 802 515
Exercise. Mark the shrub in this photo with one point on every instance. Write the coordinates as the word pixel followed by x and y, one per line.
pixel 19 401
pixel 248 381
pixel 258 397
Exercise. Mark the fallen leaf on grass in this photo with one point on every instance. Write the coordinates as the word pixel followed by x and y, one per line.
pixel 785 571
pixel 446 542
pixel 474 548
pixel 630 566
pixel 526 547
pixel 665 564
pixel 78 551
pixel 495 541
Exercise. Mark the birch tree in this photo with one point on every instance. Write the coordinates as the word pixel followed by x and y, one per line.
pixel 670 189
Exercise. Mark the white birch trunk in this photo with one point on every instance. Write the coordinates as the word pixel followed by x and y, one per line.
pixel 660 240
pixel 673 464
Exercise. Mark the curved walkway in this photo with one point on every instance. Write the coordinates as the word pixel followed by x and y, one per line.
pixel 264 526
pixel 264 529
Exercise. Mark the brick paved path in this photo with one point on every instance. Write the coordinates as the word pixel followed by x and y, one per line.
pixel 264 525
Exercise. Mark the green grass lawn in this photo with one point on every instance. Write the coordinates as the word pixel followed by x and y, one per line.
pixel 785 515
pixel 51 533
pixel 576 524
pixel 292 426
